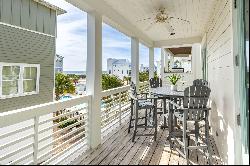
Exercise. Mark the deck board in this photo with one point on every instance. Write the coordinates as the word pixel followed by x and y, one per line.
pixel 118 149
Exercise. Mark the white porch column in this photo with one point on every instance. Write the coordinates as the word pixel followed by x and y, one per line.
pixel 94 73
pixel 135 61
pixel 196 61
pixel 151 62
pixel 171 61
pixel 162 63
pixel 166 61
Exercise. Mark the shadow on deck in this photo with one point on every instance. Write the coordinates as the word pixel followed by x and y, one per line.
pixel 118 149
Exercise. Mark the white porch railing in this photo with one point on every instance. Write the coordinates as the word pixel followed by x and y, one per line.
pixel 44 134
pixel 115 106
pixel 144 86
pixel 57 132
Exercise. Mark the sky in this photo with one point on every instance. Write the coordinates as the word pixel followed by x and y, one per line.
pixel 72 40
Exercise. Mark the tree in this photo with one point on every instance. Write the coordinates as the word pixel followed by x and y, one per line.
pixel 63 84
pixel 127 79
pixel 110 82
pixel 74 78
pixel 143 76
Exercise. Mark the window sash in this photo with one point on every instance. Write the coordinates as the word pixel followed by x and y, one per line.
pixel 21 80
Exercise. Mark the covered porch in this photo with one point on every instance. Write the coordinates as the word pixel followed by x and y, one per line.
pixel 97 133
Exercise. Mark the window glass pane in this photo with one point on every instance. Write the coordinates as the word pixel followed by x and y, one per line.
pixel 10 76
pixel 9 88
pixel 30 73
pixel 11 72
pixel 30 77
pixel 29 85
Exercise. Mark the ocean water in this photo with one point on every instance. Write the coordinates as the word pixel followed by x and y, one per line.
pixel 79 72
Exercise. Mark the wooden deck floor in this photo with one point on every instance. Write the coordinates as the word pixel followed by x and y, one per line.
pixel 118 149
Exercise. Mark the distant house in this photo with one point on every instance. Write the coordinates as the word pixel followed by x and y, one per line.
pixel 119 67
pixel 143 68
pixel 58 63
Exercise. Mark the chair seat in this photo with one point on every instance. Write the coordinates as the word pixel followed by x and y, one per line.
pixel 145 104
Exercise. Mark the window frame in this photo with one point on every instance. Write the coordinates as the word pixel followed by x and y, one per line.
pixel 20 80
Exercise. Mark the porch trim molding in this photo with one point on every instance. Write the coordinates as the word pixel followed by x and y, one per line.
pixel 178 42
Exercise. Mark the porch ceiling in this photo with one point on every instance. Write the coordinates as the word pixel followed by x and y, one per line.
pixel 124 16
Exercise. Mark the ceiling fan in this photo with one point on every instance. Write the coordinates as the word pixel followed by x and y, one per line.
pixel 162 17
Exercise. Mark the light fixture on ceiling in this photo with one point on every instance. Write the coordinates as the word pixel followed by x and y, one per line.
pixel 163 18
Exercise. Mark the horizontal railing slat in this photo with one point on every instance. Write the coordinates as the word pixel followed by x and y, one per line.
pixel 20 115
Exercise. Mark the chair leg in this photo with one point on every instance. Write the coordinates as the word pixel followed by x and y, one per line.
pixel 196 124
pixel 131 118
pixel 155 123
pixel 207 141
pixel 146 118
pixel 185 139
pixel 135 125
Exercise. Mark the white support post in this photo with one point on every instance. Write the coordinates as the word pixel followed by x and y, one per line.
pixel 166 61
pixel 151 62
pixel 162 63
pixel 94 73
pixel 135 61
pixel 120 108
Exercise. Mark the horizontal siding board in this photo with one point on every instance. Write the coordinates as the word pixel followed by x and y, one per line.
pixel 221 73
pixel 34 48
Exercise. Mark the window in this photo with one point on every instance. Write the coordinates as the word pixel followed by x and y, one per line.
pixel 18 79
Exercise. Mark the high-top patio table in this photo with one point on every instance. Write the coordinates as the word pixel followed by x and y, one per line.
pixel 165 93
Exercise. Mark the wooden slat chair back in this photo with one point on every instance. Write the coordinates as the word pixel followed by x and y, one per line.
pixel 200 82
pixel 155 82
pixel 196 100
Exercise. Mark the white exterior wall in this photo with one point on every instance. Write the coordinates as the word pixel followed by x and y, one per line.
pixel 221 78
pixel 118 67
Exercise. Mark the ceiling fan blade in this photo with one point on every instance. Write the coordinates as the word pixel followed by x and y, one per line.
pixel 150 26
pixel 179 19
pixel 149 18
pixel 169 27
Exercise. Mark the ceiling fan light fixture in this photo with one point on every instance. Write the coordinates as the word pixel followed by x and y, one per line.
pixel 172 33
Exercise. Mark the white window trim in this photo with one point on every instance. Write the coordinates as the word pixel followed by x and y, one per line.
pixel 20 81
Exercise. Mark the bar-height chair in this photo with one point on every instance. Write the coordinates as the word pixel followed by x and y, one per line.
pixel 194 109
pixel 155 83
pixel 139 104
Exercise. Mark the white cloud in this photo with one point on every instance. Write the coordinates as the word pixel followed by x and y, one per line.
pixel 72 40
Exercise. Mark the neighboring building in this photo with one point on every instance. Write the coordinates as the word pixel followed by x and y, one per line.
pixel 143 69
pixel 119 67
pixel 28 40
pixel 27 53
pixel 58 64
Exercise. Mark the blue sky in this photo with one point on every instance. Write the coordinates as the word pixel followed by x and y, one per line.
pixel 72 40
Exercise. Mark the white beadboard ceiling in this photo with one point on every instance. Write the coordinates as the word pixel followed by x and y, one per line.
pixel 198 12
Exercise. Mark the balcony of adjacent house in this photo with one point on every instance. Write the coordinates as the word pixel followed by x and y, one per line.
pixel 91 126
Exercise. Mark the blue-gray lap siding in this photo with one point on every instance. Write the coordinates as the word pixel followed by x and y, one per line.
pixel 18 45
